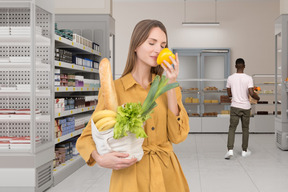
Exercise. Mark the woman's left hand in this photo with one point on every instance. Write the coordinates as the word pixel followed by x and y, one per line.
pixel 172 72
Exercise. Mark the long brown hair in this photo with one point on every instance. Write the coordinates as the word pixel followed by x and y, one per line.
pixel 140 34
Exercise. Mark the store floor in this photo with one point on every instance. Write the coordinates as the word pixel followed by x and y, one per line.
pixel 206 170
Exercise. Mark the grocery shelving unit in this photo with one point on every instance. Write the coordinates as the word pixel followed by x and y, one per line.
pixel 69 166
pixel 202 76
pixel 27 47
pixel 99 29
pixel 264 111
pixel 281 68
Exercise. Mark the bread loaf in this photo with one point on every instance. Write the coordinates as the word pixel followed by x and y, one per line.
pixel 107 85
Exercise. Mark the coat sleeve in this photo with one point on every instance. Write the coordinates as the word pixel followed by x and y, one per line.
pixel 178 126
pixel 85 143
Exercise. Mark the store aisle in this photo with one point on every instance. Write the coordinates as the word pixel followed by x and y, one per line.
pixel 202 160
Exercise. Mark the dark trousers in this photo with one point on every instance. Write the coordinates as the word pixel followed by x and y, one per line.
pixel 235 115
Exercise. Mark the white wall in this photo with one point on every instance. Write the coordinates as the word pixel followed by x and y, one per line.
pixel 83 7
pixel 247 27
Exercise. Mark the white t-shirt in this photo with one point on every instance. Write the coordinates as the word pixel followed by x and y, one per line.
pixel 239 84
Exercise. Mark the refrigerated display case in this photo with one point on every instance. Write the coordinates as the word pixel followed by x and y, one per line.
pixel 281 68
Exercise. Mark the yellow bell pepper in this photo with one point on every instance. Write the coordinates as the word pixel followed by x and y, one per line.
pixel 164 55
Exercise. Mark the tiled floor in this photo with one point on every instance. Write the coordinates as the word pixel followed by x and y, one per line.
pixel 206 170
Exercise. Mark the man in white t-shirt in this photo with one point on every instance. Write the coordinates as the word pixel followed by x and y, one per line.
pixel 239 87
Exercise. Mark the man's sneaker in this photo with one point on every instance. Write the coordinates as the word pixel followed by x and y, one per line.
pixel 229 154
pixel 246 153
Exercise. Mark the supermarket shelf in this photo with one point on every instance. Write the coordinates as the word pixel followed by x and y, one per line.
pixel 24 93
pixel 198 80
pixel 217 103
pixel 23 66
pixel 190 91
pixel 65 169
pixel 75 67
pixel 66 43
pixel 215 91
pixel 74 111
pixel 74 89
pixel 68 136
pixel 24 118
pixel 191 104
pixel 8 40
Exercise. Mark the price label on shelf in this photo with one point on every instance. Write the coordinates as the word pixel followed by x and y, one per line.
pixel 71 111
pixel 87 89
pixel 83 47
pixel 71 159
pixel 57 88
pixel 71 134
pixel 74 89
pixel 72 43
pixel 83 68
pixel 82 109
pixel 88 108
pixel 72 66
pixel 63 164
pixel 92 107
pixel 54 169
pixel 59 38
pixel 91 69
pixel 66 88
pixel 59 114
pixel 59 64
pixel 92 51
pixel 58 140
pixel 81 89
pixel 93 89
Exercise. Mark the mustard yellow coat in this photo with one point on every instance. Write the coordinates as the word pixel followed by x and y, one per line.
pixel 159 169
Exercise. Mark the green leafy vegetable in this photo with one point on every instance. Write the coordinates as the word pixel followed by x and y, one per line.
pixel 131 117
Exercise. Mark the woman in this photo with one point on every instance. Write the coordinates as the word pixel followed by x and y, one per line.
pixel 159 169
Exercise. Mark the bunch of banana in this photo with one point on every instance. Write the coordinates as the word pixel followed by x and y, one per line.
pixel 104 119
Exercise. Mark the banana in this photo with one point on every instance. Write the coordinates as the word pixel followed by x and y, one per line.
pixel 103 113
pixel 107 125
pixel 102 121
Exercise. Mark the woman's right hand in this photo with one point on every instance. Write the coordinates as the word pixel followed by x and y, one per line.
pixel 113 160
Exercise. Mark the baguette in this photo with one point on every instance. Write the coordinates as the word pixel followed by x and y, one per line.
pixel 107 85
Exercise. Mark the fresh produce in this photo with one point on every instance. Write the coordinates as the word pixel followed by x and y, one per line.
pixel 164 55
pixel 103 113
pixel 104 119
pixel 131 116
pixel 257 88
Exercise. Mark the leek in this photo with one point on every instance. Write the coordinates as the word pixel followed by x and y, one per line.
pixel 131 116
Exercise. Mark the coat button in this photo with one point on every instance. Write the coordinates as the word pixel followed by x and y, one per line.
pixel 153 128
pixel 178 119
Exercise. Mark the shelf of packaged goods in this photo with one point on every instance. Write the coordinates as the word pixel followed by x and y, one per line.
pixel 66 43
pixel 9 40
pixel 68 136
pixel 75 89
pixel 65 169
pixel 8 93
pixel 73 66
pixel 74 111
pixel 24 118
